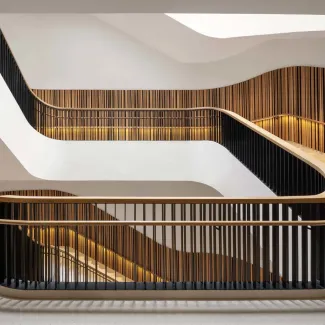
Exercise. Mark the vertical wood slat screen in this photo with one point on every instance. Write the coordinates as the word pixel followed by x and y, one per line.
pixel 117 253
pixel 297 91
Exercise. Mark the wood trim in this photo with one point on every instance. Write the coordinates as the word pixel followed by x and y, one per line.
pixel 287 115
pixel 320 198
pixel 187 295
pixel 312 223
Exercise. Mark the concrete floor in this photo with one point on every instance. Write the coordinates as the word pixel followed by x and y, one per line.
pixel 114 312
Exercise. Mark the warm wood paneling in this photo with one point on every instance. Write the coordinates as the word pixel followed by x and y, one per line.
pixel 123 247
pixel 297 91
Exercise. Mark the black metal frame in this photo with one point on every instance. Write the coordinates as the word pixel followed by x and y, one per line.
pixel 165 257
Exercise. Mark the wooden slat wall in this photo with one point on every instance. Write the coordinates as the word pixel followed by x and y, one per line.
pixel 296 91
pixel 129 245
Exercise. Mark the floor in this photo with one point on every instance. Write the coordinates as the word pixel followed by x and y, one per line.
pixel 159 313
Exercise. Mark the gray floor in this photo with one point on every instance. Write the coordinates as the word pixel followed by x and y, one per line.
pixel 113 312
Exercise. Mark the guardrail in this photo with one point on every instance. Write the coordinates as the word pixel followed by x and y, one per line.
pixel 201 247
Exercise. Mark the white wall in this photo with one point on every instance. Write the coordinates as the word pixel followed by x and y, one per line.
pixel 43 158
pixel 84 52
pixel 30 160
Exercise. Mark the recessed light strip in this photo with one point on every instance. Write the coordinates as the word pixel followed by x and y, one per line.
pixel 243 25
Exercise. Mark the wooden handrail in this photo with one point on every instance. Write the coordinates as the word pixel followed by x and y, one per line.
pixel 312 223
pixel 288 115
pixel 319 198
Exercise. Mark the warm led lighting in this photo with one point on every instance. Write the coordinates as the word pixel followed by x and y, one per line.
pixel 240 25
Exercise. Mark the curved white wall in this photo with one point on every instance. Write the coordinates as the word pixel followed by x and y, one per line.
pixel 43 158
pixel 30 160
pixel 144 52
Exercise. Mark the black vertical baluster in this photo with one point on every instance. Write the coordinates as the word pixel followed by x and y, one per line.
pixel 173 250
pixel 216 253
pixel 210 277
pixel 192 264
pixel 224 246
pixel 183 247
pixel 250 239
pixel 76 250
pixel 196 263
pixel 12 248
pixel 105 230
pixel 155 245
pixel 95 232
pixel 66 247
pixel 229 248
pixel 322 249
pixel 266 246
pixel 46 252
pixel 175 264
pixel 285 250
pixel 24 260
pixel 56 252
pixel 135 249
pixel 144 251
pixel 234 248
pixel 239 247
pixel 164 263
pixel 315 241
pixel 7 246
pixel 304 208
pixel 254 249
pixel 200 259
pixel 87 244
pixel 294 247
pixel 115 230
pixel 245 253
pixel 50 260
pixel 220 247
pixel 205 259
pixel 275 243
pixel 124 241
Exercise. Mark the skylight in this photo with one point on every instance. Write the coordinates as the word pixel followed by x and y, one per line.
pixel 240 25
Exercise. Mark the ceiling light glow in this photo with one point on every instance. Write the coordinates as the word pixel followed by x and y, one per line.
pixel 242 25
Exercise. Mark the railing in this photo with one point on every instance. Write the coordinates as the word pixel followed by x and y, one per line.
pixel 180 245
pixel 101 124
pixel 60 263
pixel 298 129
pixel 201 247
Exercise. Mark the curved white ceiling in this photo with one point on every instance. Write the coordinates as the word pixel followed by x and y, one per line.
pixel 241 25
pixel 145 51
pixel 183 44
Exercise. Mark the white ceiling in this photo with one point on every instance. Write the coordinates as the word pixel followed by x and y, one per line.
pixel 183 44
pixel 162 6
pixel 243 25
pixel 145 51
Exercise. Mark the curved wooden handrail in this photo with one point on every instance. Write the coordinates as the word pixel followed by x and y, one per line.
pixel 287 115
pixel 312 223
pixel 319 198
